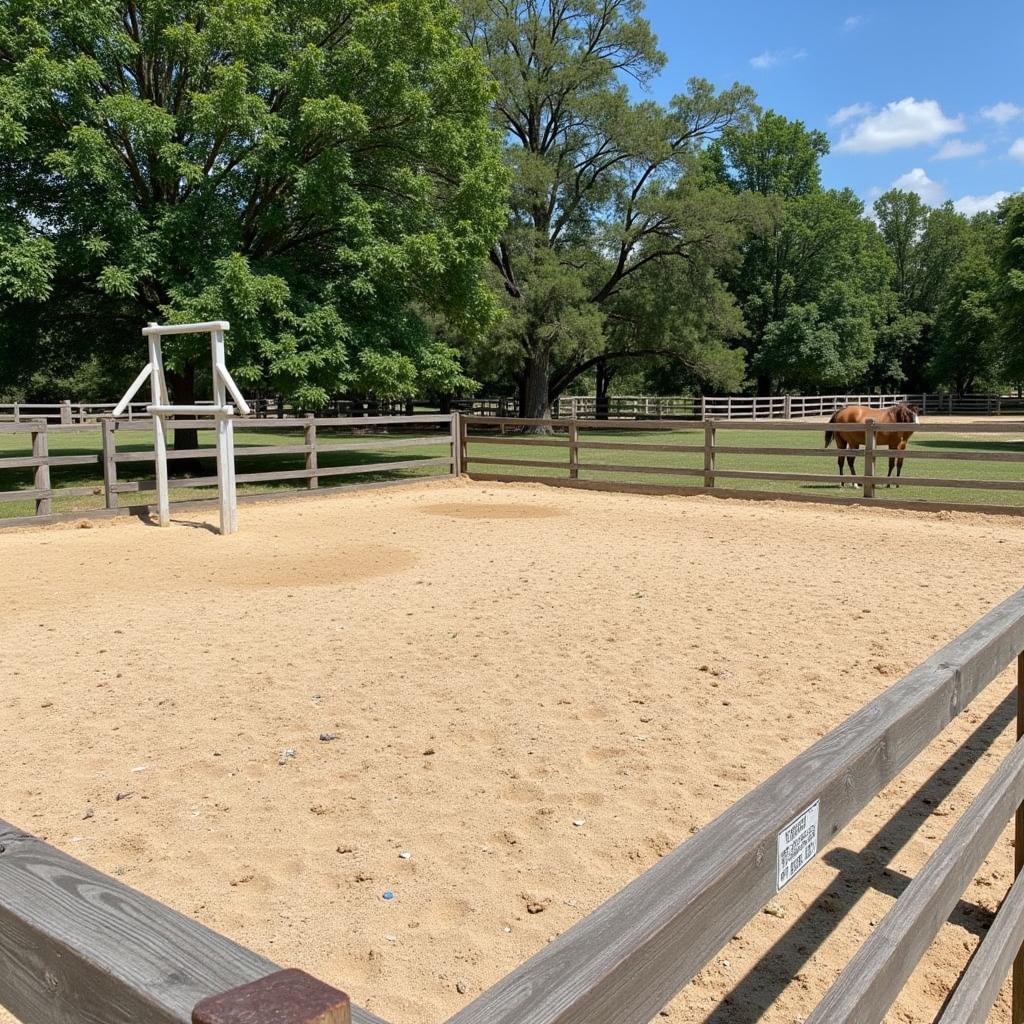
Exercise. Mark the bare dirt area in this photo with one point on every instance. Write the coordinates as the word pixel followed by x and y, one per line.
pixel 533 692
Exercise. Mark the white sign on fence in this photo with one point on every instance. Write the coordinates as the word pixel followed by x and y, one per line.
pixel 798 843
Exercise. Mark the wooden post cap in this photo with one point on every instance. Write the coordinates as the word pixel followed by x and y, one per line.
pixel 286 997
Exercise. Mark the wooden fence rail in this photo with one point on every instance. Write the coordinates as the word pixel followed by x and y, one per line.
pixel 711 477
pixel 78 947
pixel 313 445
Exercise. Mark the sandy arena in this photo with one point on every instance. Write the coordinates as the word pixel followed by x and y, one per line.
pixel 496 663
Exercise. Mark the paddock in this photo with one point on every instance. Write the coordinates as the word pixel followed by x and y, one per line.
pixel 535 692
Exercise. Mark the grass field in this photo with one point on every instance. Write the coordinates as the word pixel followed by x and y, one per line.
pixel 87 441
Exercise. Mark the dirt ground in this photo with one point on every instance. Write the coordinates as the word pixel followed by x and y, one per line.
pixel 533 692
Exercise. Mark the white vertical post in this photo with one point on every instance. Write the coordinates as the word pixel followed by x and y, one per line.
pixel 158 389
pixel 225 440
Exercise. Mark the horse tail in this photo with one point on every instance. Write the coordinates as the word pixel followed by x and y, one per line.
pixel 828 433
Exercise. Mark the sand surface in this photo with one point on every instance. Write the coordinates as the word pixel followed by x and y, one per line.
pixel 496 663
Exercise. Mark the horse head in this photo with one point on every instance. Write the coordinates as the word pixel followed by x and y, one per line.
pixel 907 413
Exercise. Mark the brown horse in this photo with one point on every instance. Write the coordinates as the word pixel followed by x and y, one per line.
pixel 852 440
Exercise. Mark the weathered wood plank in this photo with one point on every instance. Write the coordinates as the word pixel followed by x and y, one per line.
pixel 29 461
pixel 382 441
pixel 21 427
pixel 528 442
pixel 909 453
pixel 979 987
pixel 481 460
pixel 41 450
pixel 625 446
pixel 623 962
pixel 78 947
pixel 340 421
pixel 873 978
pixel 378 467
pixel 26 494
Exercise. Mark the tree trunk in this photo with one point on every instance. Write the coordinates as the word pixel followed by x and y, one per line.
pixel 182 386
pixel 604 379
pixel 536 396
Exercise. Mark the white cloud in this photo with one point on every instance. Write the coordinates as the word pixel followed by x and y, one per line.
pixel 955 149
pixel 852 22
pixel 970 205
pixel 903 123
pixel 844 114
pixel 773 58
pixel 1017 150
pixel 1002 112
pixel 918 181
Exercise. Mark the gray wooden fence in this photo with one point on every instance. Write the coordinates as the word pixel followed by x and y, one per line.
pixel 78 947
pixel 711 477
pixel 315 437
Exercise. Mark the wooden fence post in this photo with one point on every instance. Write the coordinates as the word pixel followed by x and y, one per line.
pixel 1017 1012
pixel 41 449
pixel 65 411
pixel 787 407
pixel 463 443
pixel 574 452
pixel 107 428
pixel 454 434
pixel 869 459
pixel 709 453
pixel 310 441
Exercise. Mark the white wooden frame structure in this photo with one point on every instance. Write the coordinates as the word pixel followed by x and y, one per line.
pixel 222 411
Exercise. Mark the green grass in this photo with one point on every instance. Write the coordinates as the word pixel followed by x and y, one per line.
pixel 87 441
pixel 810 440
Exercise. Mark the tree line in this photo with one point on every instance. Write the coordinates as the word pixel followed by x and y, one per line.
pixel 428 198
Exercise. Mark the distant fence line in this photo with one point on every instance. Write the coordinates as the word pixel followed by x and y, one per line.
pixel 708 477
pixel 438 429
pixel 78 946
pixel 686 407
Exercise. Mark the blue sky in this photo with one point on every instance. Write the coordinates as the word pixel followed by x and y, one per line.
pixel 927 95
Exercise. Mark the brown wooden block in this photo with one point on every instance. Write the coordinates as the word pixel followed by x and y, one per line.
pixel 286 997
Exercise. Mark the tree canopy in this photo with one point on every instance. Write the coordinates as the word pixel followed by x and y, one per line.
pixel 420 198
pixel 319 173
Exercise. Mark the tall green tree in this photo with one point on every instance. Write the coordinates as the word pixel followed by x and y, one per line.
pixel 926 244
pixel 778 157
pixel 968 353
pixel 607 192
pixel 813 267
pixel 1010 288
pixel 321 173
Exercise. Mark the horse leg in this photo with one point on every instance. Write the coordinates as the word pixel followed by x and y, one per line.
pixel 892 462
pixel 899 469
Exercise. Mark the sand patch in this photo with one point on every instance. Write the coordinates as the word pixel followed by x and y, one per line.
pixel 318 568
pixel 633 663
pixel 489 510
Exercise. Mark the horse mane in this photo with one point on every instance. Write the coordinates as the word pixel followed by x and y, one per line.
pixel 902 413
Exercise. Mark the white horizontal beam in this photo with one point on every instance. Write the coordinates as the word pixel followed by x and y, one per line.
pixel 158 330
pixel 191 410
